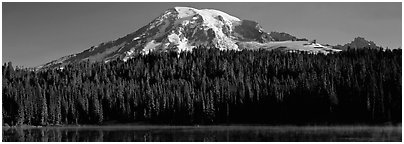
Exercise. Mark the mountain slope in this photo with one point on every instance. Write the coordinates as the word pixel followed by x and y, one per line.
pixel 290 46
pixel 281 36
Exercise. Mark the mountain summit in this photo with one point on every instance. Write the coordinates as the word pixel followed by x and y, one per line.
pixel 358 43
pixel 183 29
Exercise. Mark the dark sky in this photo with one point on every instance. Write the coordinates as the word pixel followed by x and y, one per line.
pixel 36 33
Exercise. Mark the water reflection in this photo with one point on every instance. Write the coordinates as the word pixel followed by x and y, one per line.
pixel 203 133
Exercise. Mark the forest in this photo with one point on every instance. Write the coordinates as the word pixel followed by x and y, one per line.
pixel 209 86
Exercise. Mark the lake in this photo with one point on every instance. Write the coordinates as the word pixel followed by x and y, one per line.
pixel 202 133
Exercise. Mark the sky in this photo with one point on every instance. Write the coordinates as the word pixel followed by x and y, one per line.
pixel 37 33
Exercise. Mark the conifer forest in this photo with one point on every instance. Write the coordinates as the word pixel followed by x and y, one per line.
pixel 209 86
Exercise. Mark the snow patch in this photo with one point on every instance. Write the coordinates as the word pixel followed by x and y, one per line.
pixel 128 54
pixel 173 38
pixel 150 46
pixel 185 11
pixel 182 44
pixel 93 48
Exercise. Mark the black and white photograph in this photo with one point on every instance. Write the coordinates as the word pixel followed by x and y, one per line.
pixel 204 71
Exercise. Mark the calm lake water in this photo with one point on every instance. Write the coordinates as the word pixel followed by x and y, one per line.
pixel 203 133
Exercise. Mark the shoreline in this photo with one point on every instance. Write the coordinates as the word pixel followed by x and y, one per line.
pixel 163 126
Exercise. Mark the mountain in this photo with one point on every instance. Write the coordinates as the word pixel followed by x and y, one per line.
pixel 358 43
pixel 183 29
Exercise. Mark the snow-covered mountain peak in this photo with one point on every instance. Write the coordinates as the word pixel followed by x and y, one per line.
pixel 177 29
pixel 188 11
pixel 184 28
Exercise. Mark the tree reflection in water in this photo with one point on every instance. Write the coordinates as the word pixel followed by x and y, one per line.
pixel 203 133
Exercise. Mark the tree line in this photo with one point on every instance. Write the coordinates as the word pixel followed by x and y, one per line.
pixel 209 86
